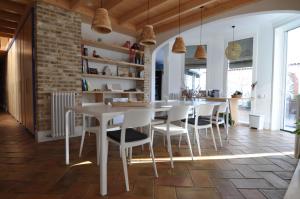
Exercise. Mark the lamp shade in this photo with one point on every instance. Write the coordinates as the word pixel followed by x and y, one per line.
pixel 148 36
pixel 233 51
pixel 200 53
pixel 101 22
pixel 179 46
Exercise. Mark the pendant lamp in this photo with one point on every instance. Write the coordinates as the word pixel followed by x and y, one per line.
pixel 101 22
pixel 233 50
pixel 200 52
pixel 148 35
pixel 179 46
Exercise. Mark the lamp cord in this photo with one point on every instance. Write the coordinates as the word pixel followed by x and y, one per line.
pixel 148 12
pixel 179 10
pixel 201 14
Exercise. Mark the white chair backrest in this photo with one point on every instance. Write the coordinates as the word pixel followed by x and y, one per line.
pixel 137 118
pixel 204 110
pixel 87 104
pixel 222 108
pixel 178 112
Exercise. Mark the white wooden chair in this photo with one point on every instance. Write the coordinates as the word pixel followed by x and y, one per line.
pixel 129 137
pixel 197 123
pixel 218 119
pixel 92 129
pixel 169 129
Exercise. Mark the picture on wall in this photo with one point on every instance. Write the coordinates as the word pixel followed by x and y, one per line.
pixel 123 71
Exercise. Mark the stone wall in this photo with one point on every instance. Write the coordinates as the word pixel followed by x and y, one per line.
pixel 58 62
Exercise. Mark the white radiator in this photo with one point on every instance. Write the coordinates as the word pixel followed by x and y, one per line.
pixel 60 100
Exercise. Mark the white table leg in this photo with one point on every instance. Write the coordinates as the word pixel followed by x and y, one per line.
pixel 103 155
pixel 227 118
pixel 67 137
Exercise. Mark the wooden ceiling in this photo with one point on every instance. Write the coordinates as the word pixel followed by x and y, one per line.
pixel 11 16
pixel 127 16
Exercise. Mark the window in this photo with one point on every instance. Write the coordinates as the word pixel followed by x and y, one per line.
pixel 239 78
pixel 292 83
pixel 195 71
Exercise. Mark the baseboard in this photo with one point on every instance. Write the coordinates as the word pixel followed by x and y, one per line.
pixel 45 136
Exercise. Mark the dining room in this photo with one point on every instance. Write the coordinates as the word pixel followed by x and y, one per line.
pixel 157 99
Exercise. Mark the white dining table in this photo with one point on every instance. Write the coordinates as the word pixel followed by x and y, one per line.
pixel 107 112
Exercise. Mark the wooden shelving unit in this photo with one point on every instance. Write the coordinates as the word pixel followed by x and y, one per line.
pixel 113 92
pixel 108 46
pixel 111 61
pixel 100 96
pixel 112 77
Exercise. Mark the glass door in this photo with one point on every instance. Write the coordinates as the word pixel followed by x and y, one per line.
pixel 292 79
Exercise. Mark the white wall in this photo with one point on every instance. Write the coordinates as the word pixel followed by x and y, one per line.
pixel 216 41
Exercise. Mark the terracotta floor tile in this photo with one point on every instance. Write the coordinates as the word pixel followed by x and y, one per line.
pixel 165 192
pixel 201 178
pixel 26 172
pixel 227 190
pixel 178 181
pixel 251 183
pixel 273 194
pixel 252 194
pixel 274 180
pixel 196 193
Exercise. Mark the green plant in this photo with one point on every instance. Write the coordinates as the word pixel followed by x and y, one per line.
pixel 297 131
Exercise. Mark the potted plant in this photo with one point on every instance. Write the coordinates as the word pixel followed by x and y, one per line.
pixel 297 140
pixel 237 94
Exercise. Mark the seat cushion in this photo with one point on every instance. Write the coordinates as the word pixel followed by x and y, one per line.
pixel 201 122
pixel 163 117
pixel 130 136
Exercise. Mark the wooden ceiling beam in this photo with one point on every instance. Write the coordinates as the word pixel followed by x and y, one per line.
pixel 7 30
pixel 9 16
pixel 8 24
pixel 11 6
pixel 137 11
pixel 3 34
pixel 110 4
pixel 172 13
pixel 74 4
pixel 214 11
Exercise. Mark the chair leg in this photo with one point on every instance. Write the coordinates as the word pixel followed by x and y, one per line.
pixel 213 137
pixel 206 132
pixel 198 141
pixel 164 138
pixel 81 143
pixel 153 160
pixel 194 138
pixel 130 155
pixel 189 143
pixel 152 137
pixel 170 150
pixel 180 137
pixel 125 169
pixel 219 134
pixel 98 148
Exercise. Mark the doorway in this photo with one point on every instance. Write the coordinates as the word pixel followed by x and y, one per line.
pixel 292 79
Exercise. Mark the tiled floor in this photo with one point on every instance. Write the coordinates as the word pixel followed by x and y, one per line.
pixel 36 171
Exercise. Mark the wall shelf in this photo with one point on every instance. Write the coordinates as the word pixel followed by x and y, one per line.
pixel 113 92
pixel 111 77
pixel 108 46
pixel 110 61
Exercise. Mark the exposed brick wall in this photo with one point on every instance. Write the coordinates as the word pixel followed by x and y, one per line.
pixel 58 62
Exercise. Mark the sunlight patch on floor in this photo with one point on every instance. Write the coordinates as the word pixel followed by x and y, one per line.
pixel 216 157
